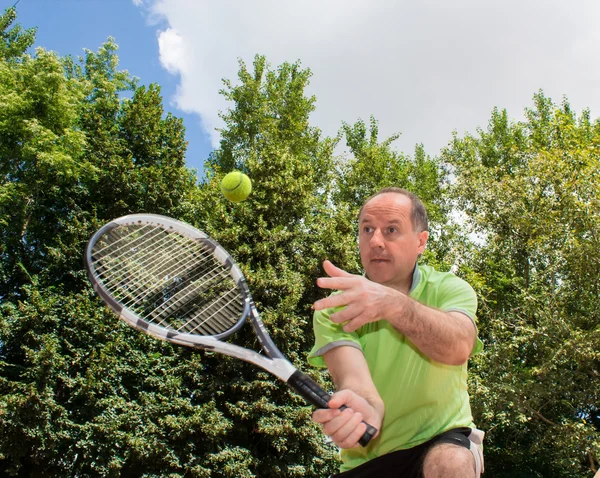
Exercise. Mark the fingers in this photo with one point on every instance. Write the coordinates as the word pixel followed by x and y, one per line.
pixel 340 283
pixel 352 317
pixel 352 310
pixel 334 271
pixel 347 314
pixel 358 430
pixel 324 415
pixel 345 397
pixel 336 277
pixel 338 280
pixel 352 297
pixel 337 300
pixel 344 427
pixel 337 283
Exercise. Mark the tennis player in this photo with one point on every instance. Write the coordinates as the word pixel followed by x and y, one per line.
pixel 396 342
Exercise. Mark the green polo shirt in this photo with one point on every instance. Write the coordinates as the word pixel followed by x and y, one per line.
pixel 422 397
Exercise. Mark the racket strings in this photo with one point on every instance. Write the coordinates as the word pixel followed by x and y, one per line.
pixel 215 316
pixel 190 293
pixel 168 279
pixel 155 264
pixel 120 239
pixel 141 253
pixel 123 255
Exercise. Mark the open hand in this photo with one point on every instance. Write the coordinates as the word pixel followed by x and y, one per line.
pixel 366 301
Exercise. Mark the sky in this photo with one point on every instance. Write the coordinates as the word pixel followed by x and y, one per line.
pixel 422 68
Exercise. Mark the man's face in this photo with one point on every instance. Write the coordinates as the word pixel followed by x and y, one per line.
pixel 389 245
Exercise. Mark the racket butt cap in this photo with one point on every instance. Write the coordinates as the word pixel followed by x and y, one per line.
pixel 368 435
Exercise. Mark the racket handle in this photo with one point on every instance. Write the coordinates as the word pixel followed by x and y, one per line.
pixel 315 395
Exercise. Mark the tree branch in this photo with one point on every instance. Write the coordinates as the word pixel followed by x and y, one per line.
pixel 543 418
pixel 592 462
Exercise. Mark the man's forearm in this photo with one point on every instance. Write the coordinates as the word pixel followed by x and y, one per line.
pixel 446 337
pixel 349 370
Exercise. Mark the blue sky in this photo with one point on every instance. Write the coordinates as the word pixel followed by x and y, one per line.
pixel 69 26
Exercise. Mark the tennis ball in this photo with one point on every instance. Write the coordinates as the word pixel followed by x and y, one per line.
pixel 236 186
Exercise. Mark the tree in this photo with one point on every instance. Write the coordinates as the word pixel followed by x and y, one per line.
pixel 81 395
pixel 14 42
pixel 530 191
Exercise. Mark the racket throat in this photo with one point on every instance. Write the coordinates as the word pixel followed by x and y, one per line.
pixel 280 367
pixel 264 338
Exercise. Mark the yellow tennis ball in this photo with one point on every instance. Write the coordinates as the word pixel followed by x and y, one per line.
pixel 236 186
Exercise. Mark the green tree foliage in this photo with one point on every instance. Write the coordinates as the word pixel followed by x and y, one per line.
pixel 81 395
pixel 531 192
pixel 271 108
pixel 14 42
pixel 84 396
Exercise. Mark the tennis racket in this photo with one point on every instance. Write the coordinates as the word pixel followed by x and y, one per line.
pixel 171 281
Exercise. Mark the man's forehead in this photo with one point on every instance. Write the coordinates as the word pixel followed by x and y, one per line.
pixel 387 206
pixel 388 219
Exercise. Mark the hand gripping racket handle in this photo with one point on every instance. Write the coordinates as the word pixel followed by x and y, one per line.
pixel 318 397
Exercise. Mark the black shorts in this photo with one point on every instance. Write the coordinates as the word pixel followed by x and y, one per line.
pixel 406 463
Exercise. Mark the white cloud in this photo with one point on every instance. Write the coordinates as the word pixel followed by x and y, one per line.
pixel 171 47
pixel 423 68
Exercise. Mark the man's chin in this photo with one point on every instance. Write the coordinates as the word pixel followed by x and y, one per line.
pixel 379 276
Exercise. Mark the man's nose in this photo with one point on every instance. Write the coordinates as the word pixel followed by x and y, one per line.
pixel 377 239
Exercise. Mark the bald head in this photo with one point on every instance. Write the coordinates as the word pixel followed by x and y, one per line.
pixel 418 211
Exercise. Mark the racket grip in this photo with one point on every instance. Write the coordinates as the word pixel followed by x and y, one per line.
pixel 315 395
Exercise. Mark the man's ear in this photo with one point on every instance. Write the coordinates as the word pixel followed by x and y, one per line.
pixel 423 236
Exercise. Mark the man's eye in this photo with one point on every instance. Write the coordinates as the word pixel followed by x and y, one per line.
pixel 368 229
pixel 392 230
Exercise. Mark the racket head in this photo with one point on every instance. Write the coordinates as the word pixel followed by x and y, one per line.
pixel 167 279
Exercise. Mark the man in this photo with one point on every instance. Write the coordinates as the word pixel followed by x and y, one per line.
pixel 396 343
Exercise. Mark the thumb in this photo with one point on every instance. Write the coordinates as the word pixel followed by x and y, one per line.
pixel 343 397
pixel 334 271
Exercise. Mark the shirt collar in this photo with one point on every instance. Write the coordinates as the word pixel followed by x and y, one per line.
pixel 415 278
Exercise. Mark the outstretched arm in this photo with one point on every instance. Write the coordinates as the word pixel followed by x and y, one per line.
pixel 446 337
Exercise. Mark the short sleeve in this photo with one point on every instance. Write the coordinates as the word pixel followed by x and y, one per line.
pixel 329 335
pixel 456 295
